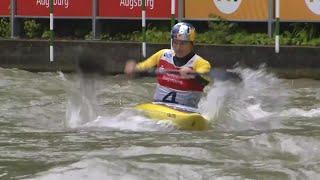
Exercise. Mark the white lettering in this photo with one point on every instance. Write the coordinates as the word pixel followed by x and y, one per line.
pixel 122 3
pixel 136 3
pixel 46 3
pixel 150 3
pixel 43 3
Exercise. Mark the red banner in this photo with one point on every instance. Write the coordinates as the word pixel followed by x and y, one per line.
pixel 4 7
pixel 61 7
pixel 132 8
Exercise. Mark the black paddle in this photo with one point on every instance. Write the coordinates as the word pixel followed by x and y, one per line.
pixel 216 73
pixel 225 75
pixel 87 66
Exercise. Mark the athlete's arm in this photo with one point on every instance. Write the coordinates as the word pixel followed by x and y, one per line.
pixel 132 66
pixel 151 62
pixel 202 66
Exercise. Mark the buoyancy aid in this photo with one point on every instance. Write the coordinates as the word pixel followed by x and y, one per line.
pixel 172 87
pixel 175 81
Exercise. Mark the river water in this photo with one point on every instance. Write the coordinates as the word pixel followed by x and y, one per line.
pixel 63 126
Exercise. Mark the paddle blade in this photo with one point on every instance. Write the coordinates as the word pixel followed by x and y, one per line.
pixel 225 75
pixel 87 65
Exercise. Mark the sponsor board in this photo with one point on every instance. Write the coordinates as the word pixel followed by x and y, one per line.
pixel 314 6
pixel 4 7
pixel 227 6
pixel 300 10
pixel 132 8
pixel 61 7
pixel 242 10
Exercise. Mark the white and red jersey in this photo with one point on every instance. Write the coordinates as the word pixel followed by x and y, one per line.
pixel 175 81
pixel 172 87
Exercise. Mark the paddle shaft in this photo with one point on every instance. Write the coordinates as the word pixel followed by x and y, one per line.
pixel 219 74
pixel 87 66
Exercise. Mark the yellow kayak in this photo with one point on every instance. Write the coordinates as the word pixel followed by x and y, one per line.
pixel 182 117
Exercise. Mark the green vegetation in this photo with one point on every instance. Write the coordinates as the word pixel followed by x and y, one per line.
pixel 302 34
pixel 81 32
pixel 32 29
pixel 46 34
pixel 218 32
pixel 153 35
pixel 222 32
pixel 4 28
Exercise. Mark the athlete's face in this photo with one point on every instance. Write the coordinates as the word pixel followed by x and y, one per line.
pixel 182 48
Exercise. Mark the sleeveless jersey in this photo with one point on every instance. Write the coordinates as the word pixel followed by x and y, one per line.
pixel 172 87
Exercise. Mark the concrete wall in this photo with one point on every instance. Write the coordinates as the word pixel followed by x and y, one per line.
pixel 34 56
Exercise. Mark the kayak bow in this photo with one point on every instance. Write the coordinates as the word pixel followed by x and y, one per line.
pixel 183 117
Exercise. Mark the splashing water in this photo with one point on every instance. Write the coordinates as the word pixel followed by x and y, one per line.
pixel 35 144
pixel 295 112
pixel 83 112
pixel 246 105
pixel 250 104
pixel 130 121
pixel 82 102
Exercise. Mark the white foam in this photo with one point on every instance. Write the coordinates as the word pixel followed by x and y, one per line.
pixel 212 104
pixel 296 112
pixel 130 121
pixel 89 169
pixel 82 102
pixel 244 105
pixel 257 113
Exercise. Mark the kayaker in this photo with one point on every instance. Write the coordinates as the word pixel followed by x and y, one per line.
pixel 186 86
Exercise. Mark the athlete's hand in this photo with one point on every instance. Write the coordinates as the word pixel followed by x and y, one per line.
pixel 187 73
pixel 130 67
